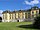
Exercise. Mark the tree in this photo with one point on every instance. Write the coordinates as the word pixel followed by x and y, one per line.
pixel 36 24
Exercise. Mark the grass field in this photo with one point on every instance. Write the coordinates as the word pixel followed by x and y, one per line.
pixel 13 25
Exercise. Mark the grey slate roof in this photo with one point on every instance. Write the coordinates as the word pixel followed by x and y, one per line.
pixel 7 11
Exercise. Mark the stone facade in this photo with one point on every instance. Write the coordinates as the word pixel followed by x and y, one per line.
pixel 19 16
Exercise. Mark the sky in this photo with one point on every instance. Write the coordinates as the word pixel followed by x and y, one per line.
pixel 17 4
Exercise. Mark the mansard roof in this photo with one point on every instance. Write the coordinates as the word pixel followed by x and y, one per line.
pixel 20 11
pixel 7 11
pixel 26 10
pixel 34 8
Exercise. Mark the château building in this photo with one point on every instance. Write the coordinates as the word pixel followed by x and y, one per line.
pixel 20 15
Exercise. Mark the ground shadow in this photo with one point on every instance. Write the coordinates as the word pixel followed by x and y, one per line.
pixel 27 26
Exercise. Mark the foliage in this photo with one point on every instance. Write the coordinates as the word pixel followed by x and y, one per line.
pixel 37 22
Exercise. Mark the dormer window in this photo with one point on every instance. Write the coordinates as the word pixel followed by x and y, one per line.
pixel 36 8
pixel 32 8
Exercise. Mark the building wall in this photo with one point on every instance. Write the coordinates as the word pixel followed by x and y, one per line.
pixel 23 15
pixel 16 15
pixel 26 15
pixel 6 16
pixel 13 15
pixel 34 13
pixel 20 15
pixel 3 17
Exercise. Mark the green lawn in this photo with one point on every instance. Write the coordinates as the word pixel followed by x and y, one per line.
pixel 13 25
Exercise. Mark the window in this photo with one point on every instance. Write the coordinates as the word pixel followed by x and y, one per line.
pixel 29 16
pixel 10 16
pixel 32 12
pixel 16 15
pixel 20 15
pixel 37 12
pixel 32 8
pixel 26 15
pixel 36 8
pixel 32 16
pixel 3 16
pixel 28 12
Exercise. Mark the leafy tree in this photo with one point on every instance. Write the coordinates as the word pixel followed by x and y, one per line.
pixel 36 24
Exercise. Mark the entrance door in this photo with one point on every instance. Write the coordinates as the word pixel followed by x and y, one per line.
pixel 0 19
pixel 17 20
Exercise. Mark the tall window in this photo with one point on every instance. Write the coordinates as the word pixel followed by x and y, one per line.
pixel 3 16
pixel 23 15
pixel 28 12
pixel 20 15
pixel 26 15
pixel 37 12
pixel 13 15
pixel 16 15
pixel 32 12
pixel 32 16
pixel 10 16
